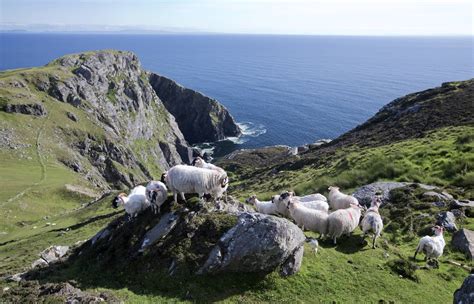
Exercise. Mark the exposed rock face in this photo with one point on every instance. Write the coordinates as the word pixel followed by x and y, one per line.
pixel 365 194
pixel 200 118
pixel 35 109
pixel 463 240
pixel 258 243
pixel 465 294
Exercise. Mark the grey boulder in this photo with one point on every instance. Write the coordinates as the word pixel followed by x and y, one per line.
pixel 465 294
pixel 257 243
pixel 366 193
pixel 463 240
pixel 447 220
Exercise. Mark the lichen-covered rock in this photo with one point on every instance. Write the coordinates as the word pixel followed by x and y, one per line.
pixel 366 193
pixel 258 243
pixel 35 109
pixel 463 240
pixel 465 294
pixel 200 118
pixel 447 220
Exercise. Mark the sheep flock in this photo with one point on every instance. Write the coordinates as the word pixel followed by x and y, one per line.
pixel 333 217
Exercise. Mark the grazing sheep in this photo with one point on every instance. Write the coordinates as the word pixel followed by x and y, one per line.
pixel 281 202
pixel 312 197
pixel 432 246
pixel 313 220
pixel 156 193
pixel 316 204
pixel 265 207
pixel 372 221
pixel 343 221
pixel 134 203
pixel 201 163
pixel 339 200
pixel 189 179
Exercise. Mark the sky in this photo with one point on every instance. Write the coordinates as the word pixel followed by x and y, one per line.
pixel 303 17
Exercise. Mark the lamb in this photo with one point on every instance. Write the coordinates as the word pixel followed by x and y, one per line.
pixel 372 221
pixel 134 203
pixel 339 200
pixel 313 220
pixel 189 179
pixel 432 246
pixel 156 194
pixel 265 207
pixel 312 204
pixel 343 221
pixel 201 163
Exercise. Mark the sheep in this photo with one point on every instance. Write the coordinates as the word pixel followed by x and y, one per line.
pixel 156 193
pixel 314 244
pixel 312 204
pixel 343 221
pixel 189 179
pixel 339 200
pixel 432 246
pixel 312 197
pixel 201 163
pixel 372 221
pixel 313 220
pixel 281 202
pixel 265 207
pixel 134 203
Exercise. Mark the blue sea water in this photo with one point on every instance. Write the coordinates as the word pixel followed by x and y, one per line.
pixel 287 90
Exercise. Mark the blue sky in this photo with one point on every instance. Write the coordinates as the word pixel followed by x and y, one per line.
pixel 320 17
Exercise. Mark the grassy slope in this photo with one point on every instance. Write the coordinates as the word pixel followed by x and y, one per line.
pixel 343 274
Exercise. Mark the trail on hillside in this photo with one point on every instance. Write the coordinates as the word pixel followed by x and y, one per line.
pixel 41 163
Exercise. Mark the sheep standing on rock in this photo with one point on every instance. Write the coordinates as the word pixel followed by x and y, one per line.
pixel 432 246
pixel 372 221
pixel 156 193
pixel 265 207
pixel 343 221
pixel 311 219
pixel 339 200
pixel 134 203
pixel 189 179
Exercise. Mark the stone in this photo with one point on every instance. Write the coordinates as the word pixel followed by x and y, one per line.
pixel 72 116
pixel 54 253
pixel 447 220
pixel 366 193
pixel 164 226
pixel 435 196
pixel 463 240
pixel 100 235
pixel 39 263
pixel 465 294
pixel 35 109
pixel 17 277
pixel 257 243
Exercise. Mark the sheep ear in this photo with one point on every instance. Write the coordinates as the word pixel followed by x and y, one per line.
pixel 224 181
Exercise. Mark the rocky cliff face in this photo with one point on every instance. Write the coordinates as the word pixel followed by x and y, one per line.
pixel 103 119
pixel 200 118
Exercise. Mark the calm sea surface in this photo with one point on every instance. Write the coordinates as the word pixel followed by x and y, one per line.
pixel 287 90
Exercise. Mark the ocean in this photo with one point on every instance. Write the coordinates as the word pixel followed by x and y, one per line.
pixel 283 90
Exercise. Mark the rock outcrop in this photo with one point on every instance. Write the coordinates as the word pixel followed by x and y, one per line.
pixel 465 294
pixel 200 118
pixel 463 240
pixel 35 109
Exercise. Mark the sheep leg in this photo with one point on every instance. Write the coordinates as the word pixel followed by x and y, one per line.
pixel 373 242
pixel 175 194
pixel 182 196
pixel 335 242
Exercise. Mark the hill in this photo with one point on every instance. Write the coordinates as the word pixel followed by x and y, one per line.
pixel 423 138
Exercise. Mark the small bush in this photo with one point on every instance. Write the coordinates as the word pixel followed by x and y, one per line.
pixel 404 268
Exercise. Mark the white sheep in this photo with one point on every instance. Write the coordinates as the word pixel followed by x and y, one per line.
pixel 201 163
pixel 281 202
pixel 312 204
pixel 265 207
pixel 134 203
pixel 189 179
pixel 312 197
pixel 432 246
pixel 311 219
pixel 343 221
pixel 372 221
pixel 156 193
pixel 339 200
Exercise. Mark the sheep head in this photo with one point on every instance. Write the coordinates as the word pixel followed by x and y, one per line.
pixel 118 200
pixel 333 188
pixel 198 162
pixel 163 177
pixel 438 230
pixel 251 199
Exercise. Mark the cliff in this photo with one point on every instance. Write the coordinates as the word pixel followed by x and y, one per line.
pixel 200 118
pixel 100 117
